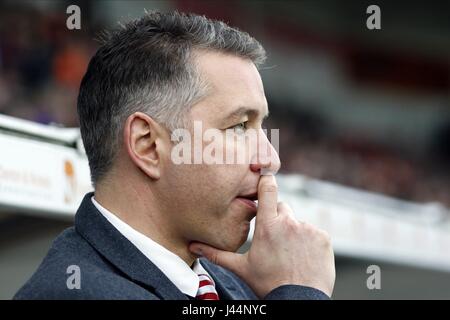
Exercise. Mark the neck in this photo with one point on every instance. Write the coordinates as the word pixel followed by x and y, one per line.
pixel 144 216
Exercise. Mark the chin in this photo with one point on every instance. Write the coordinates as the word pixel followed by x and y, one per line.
pixel 235 241
pixel 227 237
pixel 234 246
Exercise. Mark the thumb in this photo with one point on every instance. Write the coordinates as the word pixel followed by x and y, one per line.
pixel 229 260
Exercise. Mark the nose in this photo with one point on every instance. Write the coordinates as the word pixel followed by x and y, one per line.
pixel 266 158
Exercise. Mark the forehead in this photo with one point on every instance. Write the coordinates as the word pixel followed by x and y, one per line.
pixel 233 82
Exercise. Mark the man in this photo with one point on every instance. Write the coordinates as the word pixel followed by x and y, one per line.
pixel 141 234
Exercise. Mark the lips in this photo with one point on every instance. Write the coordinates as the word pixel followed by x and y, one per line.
pixel 249 203
pixel 249 200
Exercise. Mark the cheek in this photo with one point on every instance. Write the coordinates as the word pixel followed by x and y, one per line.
pixel 213 190
pixel 218 182
pixel 198 183
pixel 205 186
pixel 233 232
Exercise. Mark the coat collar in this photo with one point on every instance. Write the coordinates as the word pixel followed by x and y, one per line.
pixel 119 251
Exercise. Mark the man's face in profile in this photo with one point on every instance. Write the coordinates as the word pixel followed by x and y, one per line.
pixel 202 197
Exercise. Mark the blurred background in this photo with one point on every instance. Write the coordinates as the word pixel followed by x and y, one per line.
pixel 364 119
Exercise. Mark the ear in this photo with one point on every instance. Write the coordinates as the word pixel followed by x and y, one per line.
pixel 143 142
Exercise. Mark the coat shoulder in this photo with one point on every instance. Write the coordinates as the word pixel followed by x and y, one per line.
pixel 73 269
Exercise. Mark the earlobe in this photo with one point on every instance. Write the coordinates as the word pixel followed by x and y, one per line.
pixel 141 142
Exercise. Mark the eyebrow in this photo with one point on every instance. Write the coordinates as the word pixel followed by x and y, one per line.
pixel 241 111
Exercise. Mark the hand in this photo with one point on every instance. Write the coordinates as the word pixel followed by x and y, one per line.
pixel 283 251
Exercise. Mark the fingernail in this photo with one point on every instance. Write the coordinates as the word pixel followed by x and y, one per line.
pixel 266 172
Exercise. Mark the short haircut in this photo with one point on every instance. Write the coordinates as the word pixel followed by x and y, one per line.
pixel 147 65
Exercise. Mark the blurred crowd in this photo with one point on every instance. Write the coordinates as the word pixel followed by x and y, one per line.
pixel 41 66
pixel 309 146
pixel 40 72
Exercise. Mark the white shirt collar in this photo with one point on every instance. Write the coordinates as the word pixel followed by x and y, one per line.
pixel 178 271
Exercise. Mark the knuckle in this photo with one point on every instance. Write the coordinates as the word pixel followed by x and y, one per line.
pixel 308 228
pixel 324 237
pixel 316 232
pixel 291 224
pixel 302 228
pixel 282 207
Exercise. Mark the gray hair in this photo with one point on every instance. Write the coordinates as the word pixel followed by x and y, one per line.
pixel 147 65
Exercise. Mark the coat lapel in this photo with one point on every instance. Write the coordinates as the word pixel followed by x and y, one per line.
pixel 118 250
pixel 226 286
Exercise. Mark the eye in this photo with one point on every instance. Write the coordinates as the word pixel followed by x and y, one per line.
pixel 240 127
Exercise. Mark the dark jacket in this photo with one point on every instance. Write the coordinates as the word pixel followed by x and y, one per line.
pixel 111 267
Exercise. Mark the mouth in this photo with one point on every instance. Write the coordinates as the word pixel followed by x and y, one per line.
pixel 249 201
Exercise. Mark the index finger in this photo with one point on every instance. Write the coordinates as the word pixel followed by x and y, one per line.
pixel 267 198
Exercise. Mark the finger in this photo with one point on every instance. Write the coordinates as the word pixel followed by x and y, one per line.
pixel 229 260
pixel 283 208
pixel 267 198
